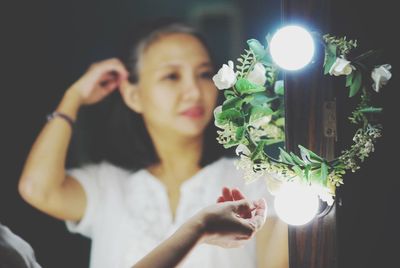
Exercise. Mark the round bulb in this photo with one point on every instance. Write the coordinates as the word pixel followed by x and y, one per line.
pixel 296 204
pixel 292 47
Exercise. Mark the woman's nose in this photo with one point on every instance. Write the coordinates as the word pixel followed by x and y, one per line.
pixel 192 88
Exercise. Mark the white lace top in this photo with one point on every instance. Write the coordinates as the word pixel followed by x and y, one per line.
pixel 128 214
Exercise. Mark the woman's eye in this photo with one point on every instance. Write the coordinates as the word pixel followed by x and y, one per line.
pixel 172 77
pixel 206 75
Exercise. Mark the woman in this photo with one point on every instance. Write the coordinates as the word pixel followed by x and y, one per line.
pixel 229 223
pixel 167 87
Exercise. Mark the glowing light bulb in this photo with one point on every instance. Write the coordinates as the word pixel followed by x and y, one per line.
pixel 292 47
pixel 296 204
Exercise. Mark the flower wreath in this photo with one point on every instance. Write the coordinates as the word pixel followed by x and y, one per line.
pixel 252 115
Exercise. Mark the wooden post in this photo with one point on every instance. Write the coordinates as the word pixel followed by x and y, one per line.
pixel 310 121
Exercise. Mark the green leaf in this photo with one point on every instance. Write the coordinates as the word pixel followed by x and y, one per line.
pixel 330 57
pixel 280 122
pixel 231 115
pixel 235 102
pixel 229 94
pixel 315 157
pixel 305 156
pixel 307 172
pixel 371 110
pixel 248 98
pixel 272 141
pixel 309 155
pixel 259 149
pixel 244 86
pixel 261 99
pixel 299 172
pixel 315 176
pixel 259 111
pixel 356 84
pixel 231 144
pixel 324 173
pixel 349 79
pixel 296 159
pixel 259 51
pixel 240 133
pixel 279 88
pixel 329 61
pixel 331 50
pixel 285 157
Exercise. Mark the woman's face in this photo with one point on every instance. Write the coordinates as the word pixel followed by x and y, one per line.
pixel 175 89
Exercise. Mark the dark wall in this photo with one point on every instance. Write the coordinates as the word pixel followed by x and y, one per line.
pixel 45 47
pixel 368 220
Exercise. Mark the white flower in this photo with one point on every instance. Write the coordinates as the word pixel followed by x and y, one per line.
pixel 273 131
pixel 246 164
pixel 242 150
pixel 255 134
pixel 324 193
pixel 261 122
pixel 257 75
pixel 217 111
pixel 381 76
pixel 327 197
pixel 341 67
pixel 226 77
pixel 227 134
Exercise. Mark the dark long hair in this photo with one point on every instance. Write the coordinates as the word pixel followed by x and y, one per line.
pixel 125 141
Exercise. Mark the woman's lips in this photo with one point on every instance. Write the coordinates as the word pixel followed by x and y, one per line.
pixel 194 112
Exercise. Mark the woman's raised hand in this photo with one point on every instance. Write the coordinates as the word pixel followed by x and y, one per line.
pixel 99 81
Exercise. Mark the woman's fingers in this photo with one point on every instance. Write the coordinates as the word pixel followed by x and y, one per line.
pixel 100 80
pixel 113 67
pixel 110 77
pixel 227 194
pixel 260 213
pixel 243 208
pixel 237 195
pixel 220 199
pixel 109 73
pixel 232 195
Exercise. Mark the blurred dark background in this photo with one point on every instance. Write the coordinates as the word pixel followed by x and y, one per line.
pixel 47 45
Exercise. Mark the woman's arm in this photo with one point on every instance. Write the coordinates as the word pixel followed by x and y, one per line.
pixel 43 182
pixel 227 224
pixel 173 250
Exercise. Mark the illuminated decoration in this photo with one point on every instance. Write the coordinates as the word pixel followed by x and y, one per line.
pixel 252 117
pixel 292 47
pixel 296 204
